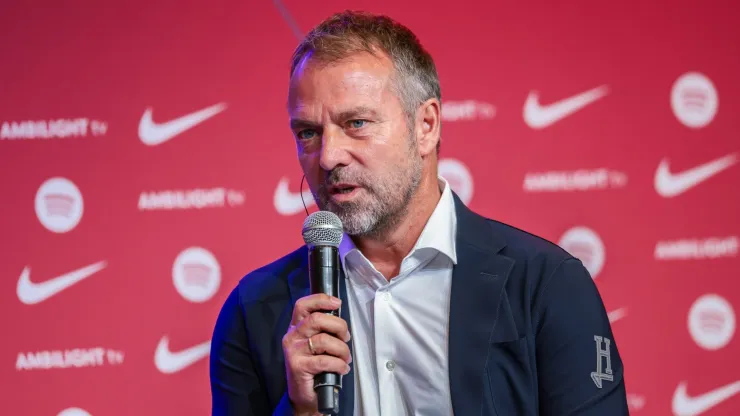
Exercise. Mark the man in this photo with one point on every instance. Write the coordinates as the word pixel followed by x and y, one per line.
pixel 442 311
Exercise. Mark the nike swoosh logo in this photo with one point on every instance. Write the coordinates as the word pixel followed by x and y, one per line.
pixel 152 133
pixel 669 184
pixel 539 116
pixel 289 203
pixel 31 293
pixel 617 314
pixel 169 362
pixel 683 405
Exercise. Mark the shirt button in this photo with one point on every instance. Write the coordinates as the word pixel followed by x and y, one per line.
pixel 390 365
pixel 386 296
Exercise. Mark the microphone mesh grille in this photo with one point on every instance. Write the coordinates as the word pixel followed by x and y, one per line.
pixel 322 228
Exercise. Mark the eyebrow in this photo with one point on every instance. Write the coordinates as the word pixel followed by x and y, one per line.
pixel 357 112
pixel 352 113
pixel 297 123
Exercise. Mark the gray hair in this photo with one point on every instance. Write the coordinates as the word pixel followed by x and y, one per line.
pixel 349 32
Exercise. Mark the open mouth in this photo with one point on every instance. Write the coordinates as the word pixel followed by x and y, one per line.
pixel 342 190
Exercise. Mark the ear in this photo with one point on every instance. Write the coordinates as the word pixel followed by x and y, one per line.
pixel 428 126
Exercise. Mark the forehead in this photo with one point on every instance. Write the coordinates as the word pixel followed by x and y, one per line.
pixel 360 79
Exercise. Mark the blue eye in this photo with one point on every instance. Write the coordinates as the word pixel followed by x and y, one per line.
pixel 355 124
pixel 306 134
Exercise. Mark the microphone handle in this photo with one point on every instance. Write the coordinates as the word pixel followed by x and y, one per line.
pixel 323 273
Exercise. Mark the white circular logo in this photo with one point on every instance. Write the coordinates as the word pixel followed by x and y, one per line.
pixel 459 178
pixel 694 100
pixel 59 205
pixel 585 245
pixel 73 411
pixel 196 274
pixel 711 322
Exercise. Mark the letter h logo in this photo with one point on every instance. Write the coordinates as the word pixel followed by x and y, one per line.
pixel 599 375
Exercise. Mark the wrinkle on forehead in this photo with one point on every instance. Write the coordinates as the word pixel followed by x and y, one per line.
pixel 350 81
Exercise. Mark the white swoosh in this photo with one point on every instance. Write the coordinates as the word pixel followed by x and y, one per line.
pixel 289 203
pixel 152 133
pixel 171 362
pixel 617 314
pixel 74 411
pixel 31 293
pixel 540 116
pixel 683 405
pixel 668 184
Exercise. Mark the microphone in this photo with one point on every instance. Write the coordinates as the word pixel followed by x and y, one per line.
pixel 322 233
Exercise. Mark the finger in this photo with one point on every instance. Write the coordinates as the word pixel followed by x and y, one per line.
pixel 318 322
pixel 317 364
pixel 327 344
pixel 312 303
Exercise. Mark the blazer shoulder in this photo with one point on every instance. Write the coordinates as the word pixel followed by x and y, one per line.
pixel 539 254
pixel 271 279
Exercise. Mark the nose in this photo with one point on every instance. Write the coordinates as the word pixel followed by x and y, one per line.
pixel 334 152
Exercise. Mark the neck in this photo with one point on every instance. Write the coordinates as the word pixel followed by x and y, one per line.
pixel 387 251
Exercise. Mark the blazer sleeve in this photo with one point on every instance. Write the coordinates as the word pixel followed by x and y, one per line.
pixel 236 388
pixel 580 371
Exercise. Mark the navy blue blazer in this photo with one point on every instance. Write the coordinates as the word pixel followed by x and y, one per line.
pixel 529 334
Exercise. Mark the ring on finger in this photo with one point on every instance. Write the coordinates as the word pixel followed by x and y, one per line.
pixel 310 346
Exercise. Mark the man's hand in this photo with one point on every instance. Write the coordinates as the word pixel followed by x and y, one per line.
pixel 328 335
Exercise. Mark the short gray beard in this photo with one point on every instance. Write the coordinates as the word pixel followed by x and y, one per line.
pixel 388 202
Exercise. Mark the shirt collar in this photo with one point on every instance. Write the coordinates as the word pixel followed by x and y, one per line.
pixel 438 233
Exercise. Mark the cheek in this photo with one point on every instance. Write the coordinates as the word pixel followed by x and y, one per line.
pixel 310 165
pixel 313 172
pixel 386 146
pixel 384 158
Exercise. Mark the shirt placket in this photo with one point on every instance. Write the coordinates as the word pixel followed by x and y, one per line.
pixel 384 349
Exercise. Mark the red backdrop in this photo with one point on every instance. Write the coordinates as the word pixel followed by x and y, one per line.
pixel 147 166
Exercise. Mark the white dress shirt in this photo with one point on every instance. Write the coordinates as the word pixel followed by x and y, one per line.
pixel 400 328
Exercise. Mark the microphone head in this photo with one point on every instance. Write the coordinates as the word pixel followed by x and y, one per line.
pixel 322 228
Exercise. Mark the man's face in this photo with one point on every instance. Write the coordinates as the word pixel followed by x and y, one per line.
pixel 355 147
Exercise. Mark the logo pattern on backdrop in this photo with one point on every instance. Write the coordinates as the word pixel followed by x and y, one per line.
pixel 134 212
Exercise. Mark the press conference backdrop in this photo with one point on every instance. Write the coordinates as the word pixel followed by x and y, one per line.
pixel 147 166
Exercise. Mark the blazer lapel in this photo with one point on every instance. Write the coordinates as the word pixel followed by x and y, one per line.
pixel 299 287
pixel 347 394
pixel 478 282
